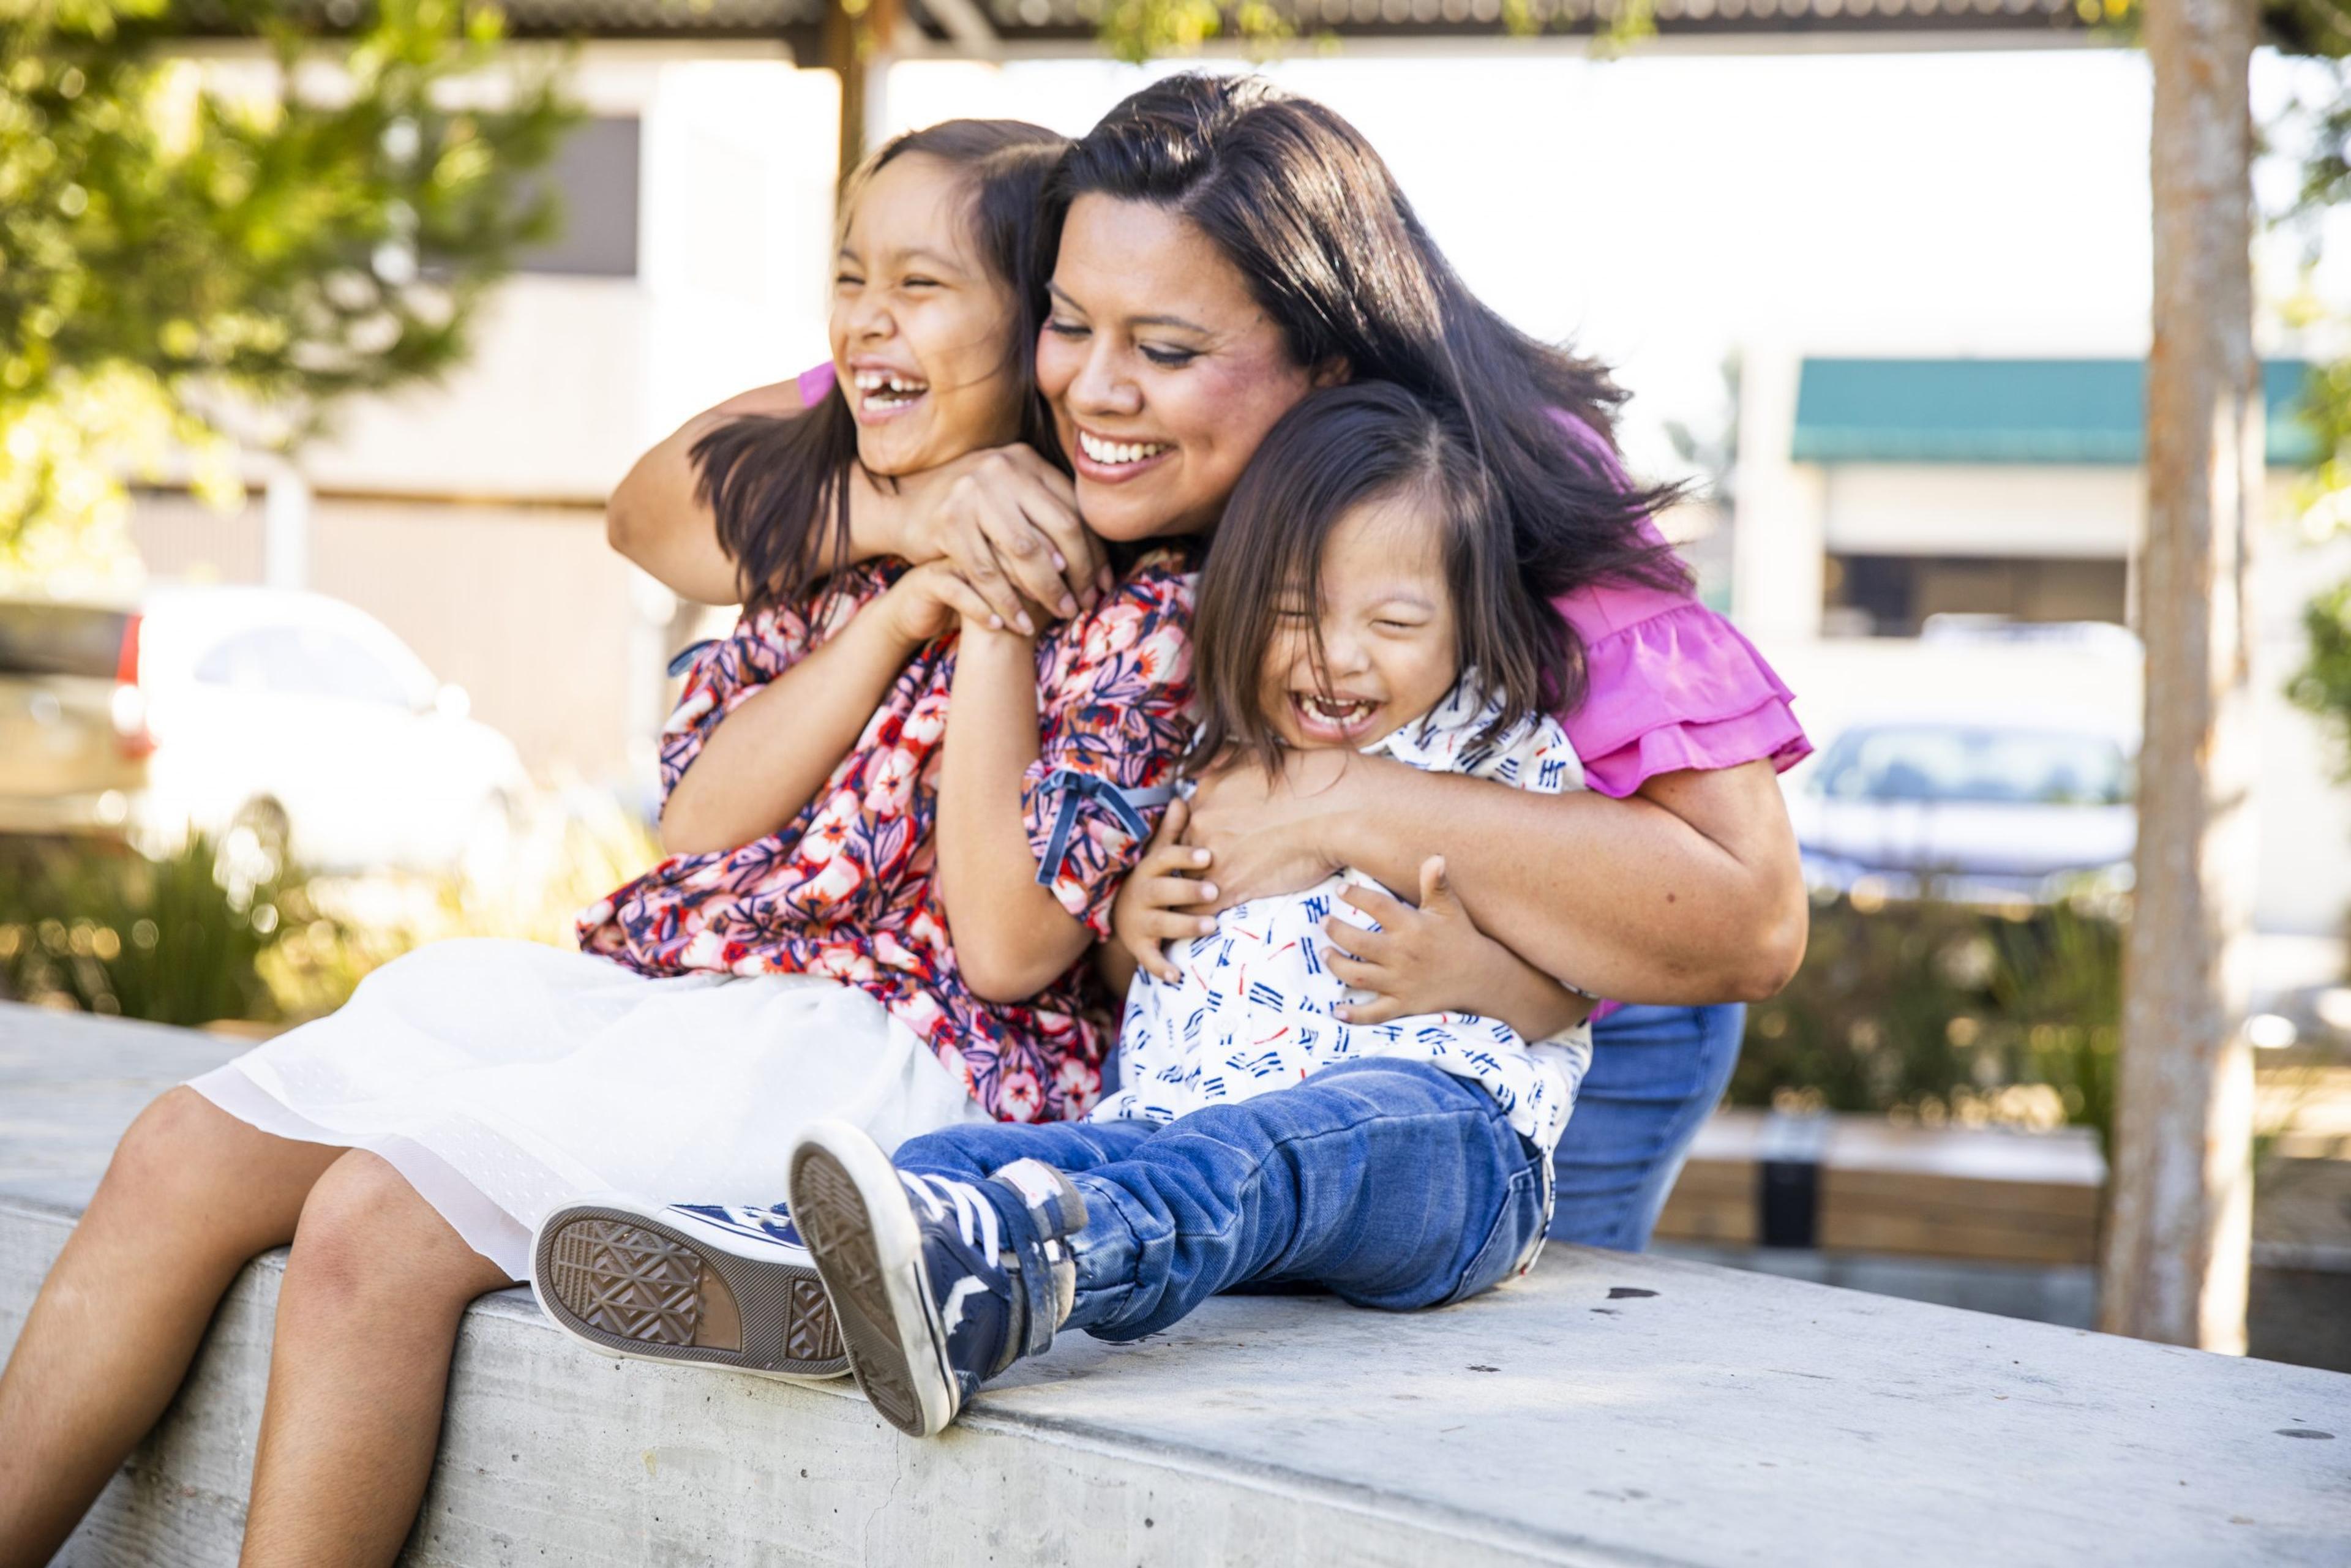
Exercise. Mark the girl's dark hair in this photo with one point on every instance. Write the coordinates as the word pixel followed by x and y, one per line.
pixel 1300 204
pixel 1338 450
pixel 773 483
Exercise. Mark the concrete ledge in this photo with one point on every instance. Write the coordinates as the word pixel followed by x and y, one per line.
pixel 1606 1411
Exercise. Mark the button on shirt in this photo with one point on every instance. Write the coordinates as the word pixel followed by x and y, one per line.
pixel 1254 1008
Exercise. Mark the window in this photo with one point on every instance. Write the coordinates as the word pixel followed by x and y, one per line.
pixel 1952 765
pixel 1892 595
pixel 595 179
pixel 304 662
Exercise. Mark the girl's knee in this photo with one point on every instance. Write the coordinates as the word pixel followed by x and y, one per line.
pixel 179 1136
pixel 365 1234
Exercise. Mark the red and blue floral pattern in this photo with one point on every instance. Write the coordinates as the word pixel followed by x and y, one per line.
pixel 848 888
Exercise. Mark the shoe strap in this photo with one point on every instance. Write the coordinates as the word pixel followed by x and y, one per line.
pixel 1038 1205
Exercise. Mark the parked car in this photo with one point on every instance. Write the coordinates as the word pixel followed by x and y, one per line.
pixel 213 706
pixel 1985 810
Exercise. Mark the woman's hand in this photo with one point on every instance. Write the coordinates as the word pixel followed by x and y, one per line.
pixel 1263 831
pixel 1008 520
pixel 1157 903
pixel 1433 958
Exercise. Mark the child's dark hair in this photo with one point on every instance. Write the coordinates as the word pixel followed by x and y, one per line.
pixel 774 484
pixel 1366 441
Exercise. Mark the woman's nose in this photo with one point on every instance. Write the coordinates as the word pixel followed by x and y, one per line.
pixel 1102 386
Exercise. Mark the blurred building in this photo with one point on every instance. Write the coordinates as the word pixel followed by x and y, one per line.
pixel 1878 498
pixel 468 517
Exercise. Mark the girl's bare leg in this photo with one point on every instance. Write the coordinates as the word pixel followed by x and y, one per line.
pixel 367 1322
pixel 193 1193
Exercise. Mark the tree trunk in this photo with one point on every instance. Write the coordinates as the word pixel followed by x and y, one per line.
pixel 2179 1240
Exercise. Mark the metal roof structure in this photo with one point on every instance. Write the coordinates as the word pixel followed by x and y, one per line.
pixel 2006 411
pixel 1002 28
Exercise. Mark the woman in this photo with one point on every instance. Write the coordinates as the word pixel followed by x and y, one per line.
pixel 1219 249
pixel 831 816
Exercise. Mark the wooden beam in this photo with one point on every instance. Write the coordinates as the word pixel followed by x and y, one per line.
pixel 2177 1250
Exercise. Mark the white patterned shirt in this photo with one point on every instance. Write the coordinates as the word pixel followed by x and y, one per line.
pixel 1253 1010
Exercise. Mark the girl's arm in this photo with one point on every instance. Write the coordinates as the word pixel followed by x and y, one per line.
pixel 1688 892
pixel 1012 937
pixel 1050 766
pixel 762 761
pixel 1431 958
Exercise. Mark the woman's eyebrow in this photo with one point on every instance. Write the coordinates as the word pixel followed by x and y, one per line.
pixel 1176 321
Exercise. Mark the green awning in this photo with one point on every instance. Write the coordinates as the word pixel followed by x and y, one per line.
pixel 2004 410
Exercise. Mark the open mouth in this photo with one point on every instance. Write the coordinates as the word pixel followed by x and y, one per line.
pixel 1333 718
pixel 884 392
pixel 1117 458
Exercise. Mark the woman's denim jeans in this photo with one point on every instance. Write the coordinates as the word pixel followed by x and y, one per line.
pixel 1390 1184
pixel 1655 1073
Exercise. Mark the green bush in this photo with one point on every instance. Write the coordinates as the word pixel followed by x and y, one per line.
pixel 178 939
pixel 1938 1012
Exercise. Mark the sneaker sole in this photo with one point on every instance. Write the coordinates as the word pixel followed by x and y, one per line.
pixel 631 1286
pixel 869 1253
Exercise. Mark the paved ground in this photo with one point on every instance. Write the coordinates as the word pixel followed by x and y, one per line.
pixel 1606 1411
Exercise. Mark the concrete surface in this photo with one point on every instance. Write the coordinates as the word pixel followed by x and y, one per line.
pixel 1606 1411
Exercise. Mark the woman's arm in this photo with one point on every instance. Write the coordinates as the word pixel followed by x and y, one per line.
pixel 656 518
pixel 1688 891
pixel 765 760
pixel 1012 937
pixel 1005 516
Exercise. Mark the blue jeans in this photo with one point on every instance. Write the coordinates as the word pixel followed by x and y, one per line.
pixel 1390 1184
pixel 1655 1073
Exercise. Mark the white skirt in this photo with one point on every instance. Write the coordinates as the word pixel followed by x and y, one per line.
pixel 505 1079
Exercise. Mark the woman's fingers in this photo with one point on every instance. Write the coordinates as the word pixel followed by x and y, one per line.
pixel 1049 498
pixel 1028 513
pixel 975 560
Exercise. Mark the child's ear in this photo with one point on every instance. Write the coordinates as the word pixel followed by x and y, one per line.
pixel 1334 371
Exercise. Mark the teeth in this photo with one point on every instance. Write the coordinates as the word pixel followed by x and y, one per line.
pixel 1118 452
pixel 1336 713
pixel 888 387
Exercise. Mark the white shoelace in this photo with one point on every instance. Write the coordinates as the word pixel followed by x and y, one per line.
pixel 976 1218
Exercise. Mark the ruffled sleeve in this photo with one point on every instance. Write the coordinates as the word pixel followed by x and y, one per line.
pixel 1116 714
pixel 1670 686
pixel 729 673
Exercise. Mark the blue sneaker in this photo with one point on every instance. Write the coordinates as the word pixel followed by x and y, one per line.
pixel 720 1285
pixel 938 1285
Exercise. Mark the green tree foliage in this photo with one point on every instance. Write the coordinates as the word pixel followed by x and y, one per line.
pixel 1936 1011
pixel 2323 684
pixel 196 252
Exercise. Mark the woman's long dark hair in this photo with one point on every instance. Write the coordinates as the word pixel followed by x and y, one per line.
pixel 775 483
pixel 1338 450
pixel 1297 200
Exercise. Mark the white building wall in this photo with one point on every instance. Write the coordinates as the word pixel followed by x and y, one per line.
pixel 1790 515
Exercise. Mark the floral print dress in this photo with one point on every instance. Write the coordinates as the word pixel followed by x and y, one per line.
pixel 848 889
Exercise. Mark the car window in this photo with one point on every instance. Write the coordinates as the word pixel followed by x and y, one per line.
pixel 1976 766
pixel 301 661
pixel 61 639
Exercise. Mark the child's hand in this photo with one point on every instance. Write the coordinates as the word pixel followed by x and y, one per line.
pixel 1435 960
pixel 931 601
pixel 1148 914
